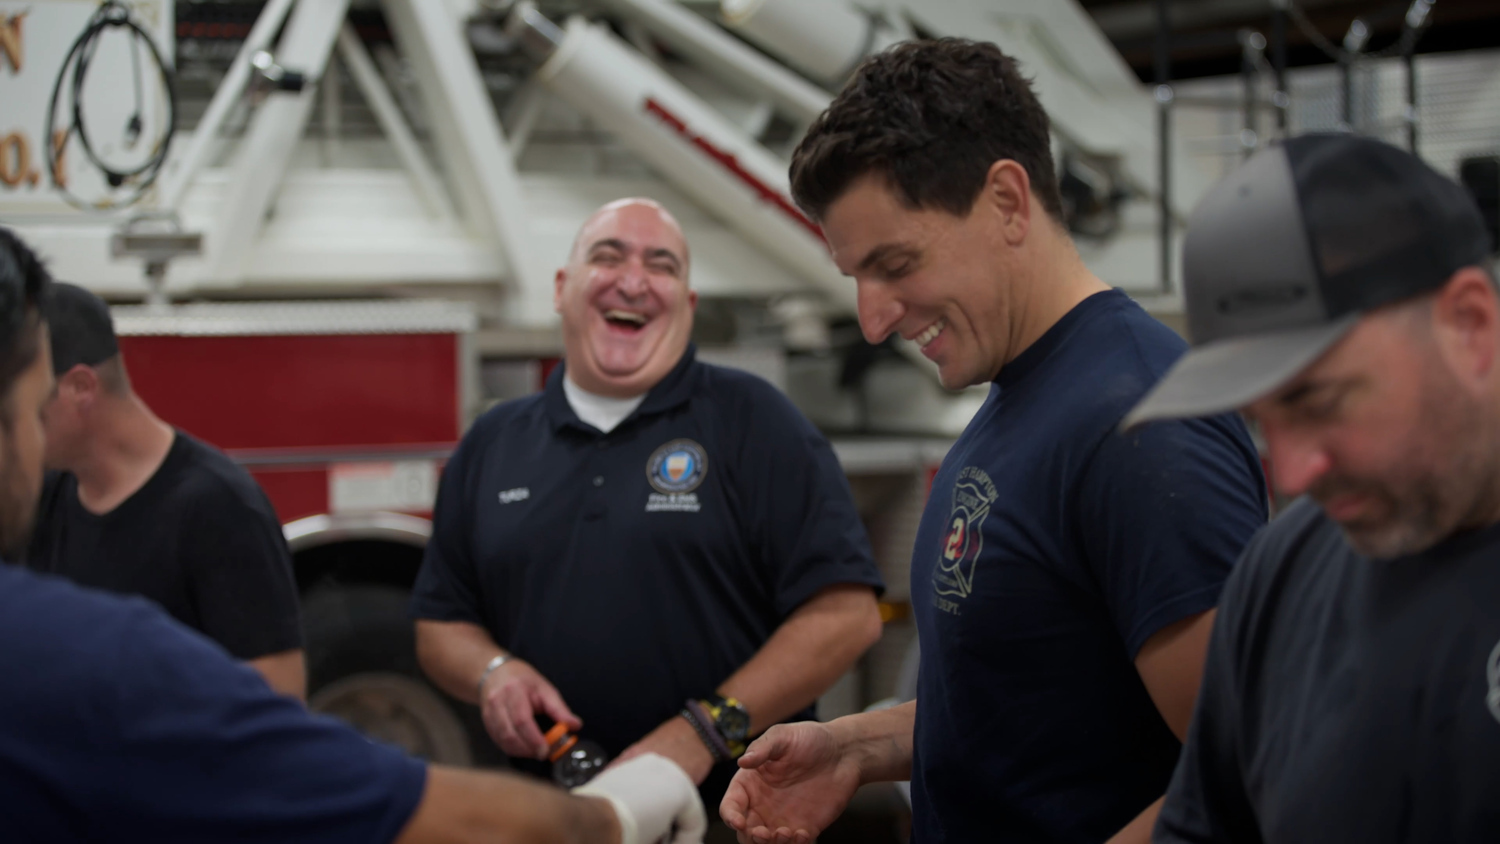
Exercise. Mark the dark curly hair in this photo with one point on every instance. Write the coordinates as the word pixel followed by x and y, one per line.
pixel 932 117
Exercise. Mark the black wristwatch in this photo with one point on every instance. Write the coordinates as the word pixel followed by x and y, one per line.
pixel 730 720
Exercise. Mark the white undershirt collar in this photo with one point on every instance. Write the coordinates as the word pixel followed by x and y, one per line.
pixel 603 412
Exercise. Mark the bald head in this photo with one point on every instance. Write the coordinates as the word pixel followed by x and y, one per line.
pixel 600 225
pixel 626 308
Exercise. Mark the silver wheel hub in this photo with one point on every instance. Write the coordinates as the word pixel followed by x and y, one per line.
pixel 398 710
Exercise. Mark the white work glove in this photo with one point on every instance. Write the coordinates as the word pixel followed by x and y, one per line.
pixel 654 800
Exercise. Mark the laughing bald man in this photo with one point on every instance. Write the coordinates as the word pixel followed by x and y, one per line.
pixel 660 553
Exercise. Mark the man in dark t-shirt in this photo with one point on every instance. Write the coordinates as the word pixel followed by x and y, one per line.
pixel 1337 289
pixel 135 507
pixel 1064 576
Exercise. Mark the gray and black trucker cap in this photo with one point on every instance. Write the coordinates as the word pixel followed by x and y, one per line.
pixel 1283 256
pixel 81 328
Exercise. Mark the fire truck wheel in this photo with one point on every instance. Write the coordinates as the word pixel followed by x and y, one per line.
pixel 362 668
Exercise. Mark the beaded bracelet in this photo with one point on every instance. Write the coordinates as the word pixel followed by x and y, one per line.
pixel 695 715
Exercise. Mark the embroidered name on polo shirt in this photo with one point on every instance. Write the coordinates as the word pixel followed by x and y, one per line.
pixel 511 496
pixel 684 503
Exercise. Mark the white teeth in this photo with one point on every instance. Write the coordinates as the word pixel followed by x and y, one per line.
pixel 638 319
pixel 931 333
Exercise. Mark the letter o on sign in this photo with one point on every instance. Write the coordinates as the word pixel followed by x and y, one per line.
pixel 15 159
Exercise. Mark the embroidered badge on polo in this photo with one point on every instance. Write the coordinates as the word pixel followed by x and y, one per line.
pixel 675 470
pixel 677 467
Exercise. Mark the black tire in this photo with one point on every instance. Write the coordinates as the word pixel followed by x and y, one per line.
pixel 362 667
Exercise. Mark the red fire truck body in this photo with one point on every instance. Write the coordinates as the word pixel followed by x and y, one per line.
pixel 292 407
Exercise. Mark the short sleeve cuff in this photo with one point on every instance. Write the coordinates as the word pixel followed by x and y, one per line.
pixel 794 596
pixel 432 608
pixel 1170 612
pixel 280 636
pixel 410 784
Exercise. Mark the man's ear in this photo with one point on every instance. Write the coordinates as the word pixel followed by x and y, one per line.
pixel 1466 321
pixel 80 384
pixel 557 288
pixel 1007 193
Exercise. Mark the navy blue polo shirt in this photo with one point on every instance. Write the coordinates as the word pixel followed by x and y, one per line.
pixel 1051 549
pixel 117 723
pixel 640 568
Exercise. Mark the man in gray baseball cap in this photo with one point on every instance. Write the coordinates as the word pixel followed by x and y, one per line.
pixel 1339 294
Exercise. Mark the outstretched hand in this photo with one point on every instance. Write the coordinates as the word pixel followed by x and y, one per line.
pixel 792 783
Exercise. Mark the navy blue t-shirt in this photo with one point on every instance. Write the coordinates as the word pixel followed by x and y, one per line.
pixel 640 568
pixel 1051 549
pixel 117 723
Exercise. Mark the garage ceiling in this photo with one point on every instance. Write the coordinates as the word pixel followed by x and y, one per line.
pixel 1205 37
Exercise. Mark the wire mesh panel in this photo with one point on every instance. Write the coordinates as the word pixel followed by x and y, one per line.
pixel 1458 104
pixel 1458 108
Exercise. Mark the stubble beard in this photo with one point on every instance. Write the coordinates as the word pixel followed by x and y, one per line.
pixel 1452 482
pixel 1415 524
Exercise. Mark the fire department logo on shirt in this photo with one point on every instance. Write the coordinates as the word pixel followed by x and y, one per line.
pixel 1492 671
pixel 677 467
pixel 973 495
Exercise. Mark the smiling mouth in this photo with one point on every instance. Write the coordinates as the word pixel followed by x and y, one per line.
pixel 931 333
pixel 1350 507
pixel 628 320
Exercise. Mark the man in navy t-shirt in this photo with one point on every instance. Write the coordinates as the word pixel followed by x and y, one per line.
pixel 1064 576
pixel 117 723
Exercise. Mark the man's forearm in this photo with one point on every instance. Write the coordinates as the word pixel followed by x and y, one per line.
pixel 453 654
pixel 463 806
pixel 879 742
pixel 285 672
pixel 1138 831
pixel 806 654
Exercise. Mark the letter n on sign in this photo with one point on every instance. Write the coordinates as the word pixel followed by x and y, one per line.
pixel 11 45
